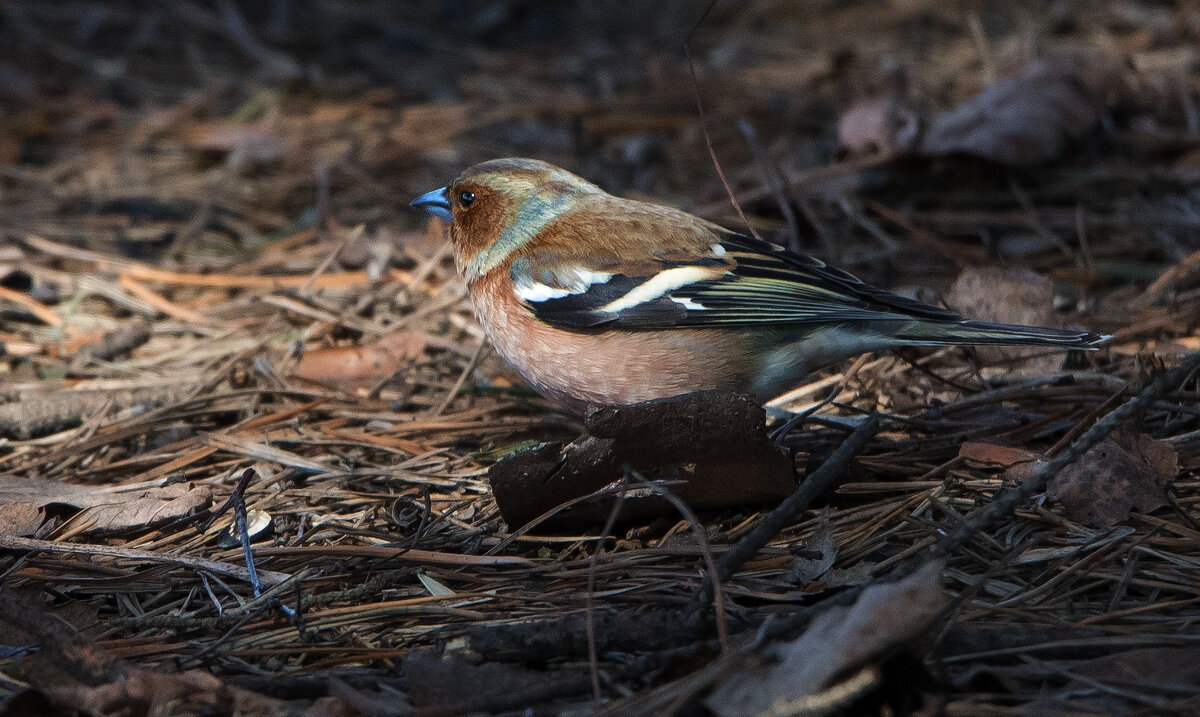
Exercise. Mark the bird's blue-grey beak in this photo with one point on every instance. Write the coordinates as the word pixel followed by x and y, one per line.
pixel 436 203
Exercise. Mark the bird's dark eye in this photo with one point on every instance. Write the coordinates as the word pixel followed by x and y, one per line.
pixel 466 198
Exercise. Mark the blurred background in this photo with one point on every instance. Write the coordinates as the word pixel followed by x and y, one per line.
pixel 121 119
pixel 208 264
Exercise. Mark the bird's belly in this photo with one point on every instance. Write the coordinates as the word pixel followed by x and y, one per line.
pixel 614 367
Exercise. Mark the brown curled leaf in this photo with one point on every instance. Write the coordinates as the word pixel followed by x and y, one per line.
pixel 1123 473
pixel 1031 117
pixel 375 360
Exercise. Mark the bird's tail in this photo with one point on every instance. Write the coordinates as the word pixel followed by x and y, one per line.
pixel 982 333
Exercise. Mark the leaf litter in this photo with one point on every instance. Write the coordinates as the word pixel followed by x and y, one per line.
pixel 205 268
pixel 1125 472
pixel 99 510
pixel 884 617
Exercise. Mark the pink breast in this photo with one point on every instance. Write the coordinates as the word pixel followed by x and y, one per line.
pixel 607 366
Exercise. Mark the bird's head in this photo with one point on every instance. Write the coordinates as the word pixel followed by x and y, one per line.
pixel 497 207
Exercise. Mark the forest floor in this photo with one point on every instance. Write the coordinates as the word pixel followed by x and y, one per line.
pixel 216 305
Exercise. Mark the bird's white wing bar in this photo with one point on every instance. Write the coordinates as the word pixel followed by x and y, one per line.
pixel 660 284
pixel 538 292
pixel 536 286
pixel 747 282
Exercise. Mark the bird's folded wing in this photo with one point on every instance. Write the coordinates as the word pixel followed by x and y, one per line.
pixel 743 281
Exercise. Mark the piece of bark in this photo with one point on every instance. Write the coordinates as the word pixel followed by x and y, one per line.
pixel 112 344
pixel 363 364
pixel 713 443
pixel 39 413
pixel 541 641
pixel 885 617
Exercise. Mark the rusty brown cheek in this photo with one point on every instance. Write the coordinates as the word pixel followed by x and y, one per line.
pixel 477 227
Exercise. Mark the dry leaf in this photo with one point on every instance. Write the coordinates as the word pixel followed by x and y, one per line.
pixel 1124 472
pixel 155 506
pixel 884 125
pixel 99 510
pixel 243 147
pixel 145 692
pixel 1019 472
pixel 884 617
pixel 818 556
pixel 1013 296
pixel 371 361
pixel 19 518
pixel 1029 118
pixel 1017 296
pixel 994 454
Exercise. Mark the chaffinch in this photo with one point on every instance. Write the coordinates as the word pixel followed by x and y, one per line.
pixel 597 299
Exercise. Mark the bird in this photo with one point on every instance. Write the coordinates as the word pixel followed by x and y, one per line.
pixel 597 299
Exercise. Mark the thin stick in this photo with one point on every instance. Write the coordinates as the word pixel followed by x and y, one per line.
pixel 687 52
pixel 1009 499
pixel 239 515
pixel 716 594
pixel 773 181
pixel 13 542
pixel 32 305
pixel 244 479
pixel 789 510
pixel 462 379
pixel 593 656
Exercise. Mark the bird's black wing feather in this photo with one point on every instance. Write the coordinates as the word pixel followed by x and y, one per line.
pixel 743 282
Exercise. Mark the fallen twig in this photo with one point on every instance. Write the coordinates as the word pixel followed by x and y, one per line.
pixel 1011 498
pixel 787 512
pixel 13 542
